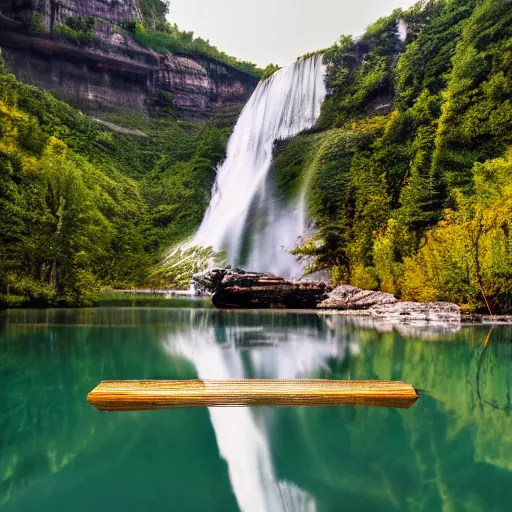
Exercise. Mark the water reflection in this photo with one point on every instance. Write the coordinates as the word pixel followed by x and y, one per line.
pixel 419 330
pixel 235 352
pixel 452 451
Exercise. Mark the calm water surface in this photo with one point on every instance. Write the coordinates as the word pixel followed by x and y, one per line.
pixel 451 452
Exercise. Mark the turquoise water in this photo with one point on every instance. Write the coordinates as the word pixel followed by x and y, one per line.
pixel 452 451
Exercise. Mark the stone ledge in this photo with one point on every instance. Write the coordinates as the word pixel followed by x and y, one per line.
pixel 236 288
pixel 415 312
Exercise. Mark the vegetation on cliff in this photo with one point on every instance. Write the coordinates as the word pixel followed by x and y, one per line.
pixel 158 34
pixel 409 170
pixel 82 207
pixel 169 38
pixel 152 31
pixel 269 71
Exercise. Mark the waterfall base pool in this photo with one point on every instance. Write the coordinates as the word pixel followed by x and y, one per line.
pixel 451 451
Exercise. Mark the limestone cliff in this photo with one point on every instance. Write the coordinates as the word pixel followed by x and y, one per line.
pixel 112 70
pixel 58 11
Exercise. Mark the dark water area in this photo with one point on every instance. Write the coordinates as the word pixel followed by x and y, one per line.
pixel 452 451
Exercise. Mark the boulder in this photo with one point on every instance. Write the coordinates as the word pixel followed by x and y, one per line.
pixel 352 298
pixel 236 288
pixel 210 280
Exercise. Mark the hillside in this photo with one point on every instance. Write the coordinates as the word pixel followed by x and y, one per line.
pixel 101 56
pixel 407 172
pixel 91 197
pixel 409 168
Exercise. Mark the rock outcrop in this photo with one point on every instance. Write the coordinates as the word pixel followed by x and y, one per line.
pixel 108 10
pixel 386 308
pixel 350 297
pixel 199 86
pixel 112 70
pixel 235 288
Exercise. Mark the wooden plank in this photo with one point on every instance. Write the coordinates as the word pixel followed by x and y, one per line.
pixel 162 394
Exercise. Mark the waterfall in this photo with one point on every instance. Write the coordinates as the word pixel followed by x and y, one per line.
pixel 245 218
pixel 402 30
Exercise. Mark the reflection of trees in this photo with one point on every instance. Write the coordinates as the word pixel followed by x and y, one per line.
pixel 491 403
pixel 47 369
pixel 43 417
pixel 452 450
pixel 446 453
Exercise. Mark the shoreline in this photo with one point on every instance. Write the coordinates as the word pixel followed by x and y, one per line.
pixel 469 319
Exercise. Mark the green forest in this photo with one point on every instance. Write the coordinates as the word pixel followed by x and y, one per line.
pixel 82 207
pixel 409 169
pixel 410 166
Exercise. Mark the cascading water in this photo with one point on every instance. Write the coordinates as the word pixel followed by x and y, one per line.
pixel 245 218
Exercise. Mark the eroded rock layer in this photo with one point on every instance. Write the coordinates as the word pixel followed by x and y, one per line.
pixel 234 288
pixel 114 71
pixel 350 297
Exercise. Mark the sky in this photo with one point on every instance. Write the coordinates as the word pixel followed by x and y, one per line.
pixel 277 31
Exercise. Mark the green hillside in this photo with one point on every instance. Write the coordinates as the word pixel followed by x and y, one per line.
pixel 409 170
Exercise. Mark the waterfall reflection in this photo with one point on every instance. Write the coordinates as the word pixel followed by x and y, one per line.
pixel 221 351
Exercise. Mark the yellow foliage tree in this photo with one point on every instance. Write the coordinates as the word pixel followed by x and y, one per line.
pixel 467 257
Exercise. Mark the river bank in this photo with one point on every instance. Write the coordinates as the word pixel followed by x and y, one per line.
pixel 121 298
pixel 160 298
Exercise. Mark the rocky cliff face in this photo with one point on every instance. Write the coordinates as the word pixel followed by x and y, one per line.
pixel 199 86
pixel 109 10
pixel 113 71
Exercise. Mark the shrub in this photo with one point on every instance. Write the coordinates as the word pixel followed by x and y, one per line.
pixel 174 40
pixel 32 21
pixel 269 71
pixel 77 30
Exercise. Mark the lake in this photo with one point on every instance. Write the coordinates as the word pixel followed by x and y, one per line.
pixel 452 451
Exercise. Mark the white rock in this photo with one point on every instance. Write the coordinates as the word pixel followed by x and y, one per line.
pixel 417 313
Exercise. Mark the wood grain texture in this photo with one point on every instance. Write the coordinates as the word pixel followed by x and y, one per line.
pixel 138 395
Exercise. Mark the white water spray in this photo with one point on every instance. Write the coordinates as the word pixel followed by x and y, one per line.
pixel 245 218
pixel 402 30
